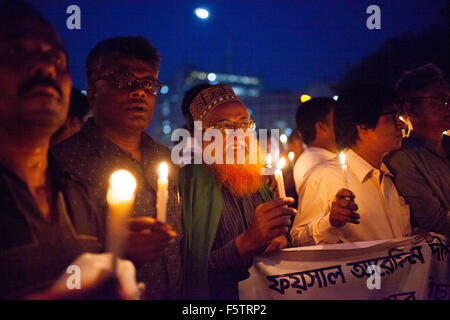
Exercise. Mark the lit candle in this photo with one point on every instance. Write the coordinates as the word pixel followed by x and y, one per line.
pixel 269 160
pixel 291 156
pixel 163 194
pixel 120 198
pixel 344 169
pixel 279 178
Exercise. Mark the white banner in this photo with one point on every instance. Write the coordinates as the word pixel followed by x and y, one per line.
pixel 400 269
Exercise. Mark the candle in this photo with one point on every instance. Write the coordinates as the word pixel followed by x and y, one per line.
pixel 291 156
pixel 120 198
pixel 269 161
pixel 163 194
pixel 344 169
pixel 279 178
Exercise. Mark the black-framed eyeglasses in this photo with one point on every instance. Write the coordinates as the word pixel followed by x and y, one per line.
pixel 127 80
pixel 442 100
pixel 227 126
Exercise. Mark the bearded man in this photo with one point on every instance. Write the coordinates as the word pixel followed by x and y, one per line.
pixel 229 215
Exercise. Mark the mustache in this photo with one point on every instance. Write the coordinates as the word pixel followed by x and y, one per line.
pixel 31 83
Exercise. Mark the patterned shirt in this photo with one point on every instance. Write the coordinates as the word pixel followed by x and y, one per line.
pixel 422 176
pixel 226 267
pixel 33 251
pixel 93 158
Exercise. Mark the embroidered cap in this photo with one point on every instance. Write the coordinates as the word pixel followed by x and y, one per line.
pixel 210 98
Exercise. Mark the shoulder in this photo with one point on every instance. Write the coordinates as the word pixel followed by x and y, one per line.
pixel 399 160
pixel 326 172
pixel 76 144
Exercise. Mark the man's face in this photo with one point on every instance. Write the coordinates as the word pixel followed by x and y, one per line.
pixel 241 179
pixel 433 114
pixel 34 84
pixel 387 135
pixel 229 114
pixel 129 109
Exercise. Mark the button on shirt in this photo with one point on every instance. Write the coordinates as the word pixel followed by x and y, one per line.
pixel 383 212
pixel 422 176
pixel 33 251
pixel 310 158
pixel 93 158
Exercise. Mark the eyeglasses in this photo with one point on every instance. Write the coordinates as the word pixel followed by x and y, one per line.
pixel 227 126
pixel 443 101
pixel 127 80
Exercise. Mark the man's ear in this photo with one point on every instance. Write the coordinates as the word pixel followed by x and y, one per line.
pixel 362 129
pixel 321 126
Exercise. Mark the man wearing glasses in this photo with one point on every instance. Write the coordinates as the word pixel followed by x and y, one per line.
pixel 422 166
pixel 122 75
pixel 360 203
pixel 228 212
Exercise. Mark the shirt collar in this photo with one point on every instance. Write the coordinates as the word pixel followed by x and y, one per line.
pixel 327 153
pixel 105 147
pixel 361 168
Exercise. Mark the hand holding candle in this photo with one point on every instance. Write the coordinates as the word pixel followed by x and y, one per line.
pixel 163 194
pixel 279 178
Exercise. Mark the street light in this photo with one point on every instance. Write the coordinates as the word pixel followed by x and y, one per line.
pixel 203 14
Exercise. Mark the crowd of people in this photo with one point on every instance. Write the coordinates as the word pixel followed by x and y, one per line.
pixel 55 166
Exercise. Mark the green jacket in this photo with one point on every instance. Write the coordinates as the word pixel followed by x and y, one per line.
pixel 202 209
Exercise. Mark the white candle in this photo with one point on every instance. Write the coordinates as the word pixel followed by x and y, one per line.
pixel 344 169
pixel 269 161
pixel 163 194
pixel 291 156
pixel 279 178
pixel 120 198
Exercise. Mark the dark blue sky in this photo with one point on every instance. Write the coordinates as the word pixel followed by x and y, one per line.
pixel 291 44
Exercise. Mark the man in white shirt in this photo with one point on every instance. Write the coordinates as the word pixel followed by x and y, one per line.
pixel 315 122
pixel 369 207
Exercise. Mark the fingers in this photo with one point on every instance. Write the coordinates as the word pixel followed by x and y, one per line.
pixel 346 204
pixel 345 193
pixel 140 223
pixel 280 212
pixel 126 275
pixel 149 237
pixel 137 224
pixel 278 202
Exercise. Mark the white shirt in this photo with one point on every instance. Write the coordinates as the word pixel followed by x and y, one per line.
pixel 383 212
pixel 310 158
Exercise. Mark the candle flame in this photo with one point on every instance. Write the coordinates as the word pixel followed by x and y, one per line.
pixel 269 160
pixel 342 160
pixel 163 171
pixel 446 132
pixel 281 163
pixel 122 187
pixel 291 156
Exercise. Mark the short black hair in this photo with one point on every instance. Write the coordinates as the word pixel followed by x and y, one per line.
pixel 189 95
pixel 19 18
pixel 360 105
pixel 106 51
pixel 309 113
pixel 418 79
pixel 79 106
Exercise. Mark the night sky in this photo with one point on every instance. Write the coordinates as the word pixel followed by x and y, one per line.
pixel 291 44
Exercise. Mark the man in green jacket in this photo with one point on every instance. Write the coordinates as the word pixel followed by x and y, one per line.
pixel 229 215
